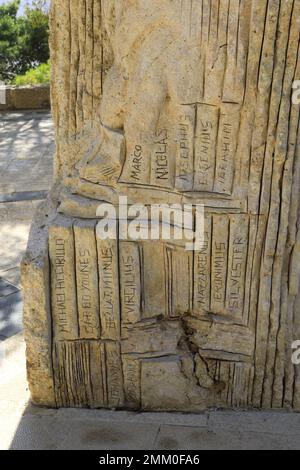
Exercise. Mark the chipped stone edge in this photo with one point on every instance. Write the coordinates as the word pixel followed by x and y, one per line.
pixel 35 279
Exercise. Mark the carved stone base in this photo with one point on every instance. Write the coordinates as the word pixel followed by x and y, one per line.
pixel 139 325
pixel 170 102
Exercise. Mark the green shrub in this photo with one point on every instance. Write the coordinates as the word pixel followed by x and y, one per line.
pixel 23 38
pixel 38 76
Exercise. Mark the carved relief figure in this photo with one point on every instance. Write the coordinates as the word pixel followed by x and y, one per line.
pixel 147 39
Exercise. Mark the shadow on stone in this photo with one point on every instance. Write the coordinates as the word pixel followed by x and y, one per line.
pixel 11 308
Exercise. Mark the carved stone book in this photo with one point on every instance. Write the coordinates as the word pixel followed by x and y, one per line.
pixel 169 103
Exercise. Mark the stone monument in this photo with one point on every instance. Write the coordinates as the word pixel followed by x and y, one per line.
pixel 169 102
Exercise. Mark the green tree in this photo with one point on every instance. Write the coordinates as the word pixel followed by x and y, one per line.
pixel 9 40
pixel 34 42
pixel 23 39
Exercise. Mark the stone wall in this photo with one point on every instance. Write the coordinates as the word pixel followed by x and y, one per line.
pixel 25 97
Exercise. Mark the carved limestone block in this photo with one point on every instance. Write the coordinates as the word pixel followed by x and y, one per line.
pixel 169 102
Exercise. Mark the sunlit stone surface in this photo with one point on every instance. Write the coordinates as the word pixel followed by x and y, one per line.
pixel 169 101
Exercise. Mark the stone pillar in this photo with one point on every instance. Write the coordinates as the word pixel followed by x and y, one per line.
pixel 169 102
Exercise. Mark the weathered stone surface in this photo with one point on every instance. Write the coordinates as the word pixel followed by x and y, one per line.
pixel 35 274
pixel 172 101
pixel 167 384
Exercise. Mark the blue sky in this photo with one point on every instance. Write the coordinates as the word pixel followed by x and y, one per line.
pixel 23 2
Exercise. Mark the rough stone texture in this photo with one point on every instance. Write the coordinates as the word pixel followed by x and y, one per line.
pixel 171 101
pixel 35 276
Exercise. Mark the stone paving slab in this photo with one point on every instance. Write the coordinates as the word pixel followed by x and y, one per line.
pixel 26 160
pixel 185 438
pixel 272 422
pixel 11 312
pixel 14 231
pixel 43 433
pixel 18 211
pixel 6 288
pixel 26 151
pixel 170 419
pixel 23 196
pixel 13 241
pixel 98 435
pixel 12 275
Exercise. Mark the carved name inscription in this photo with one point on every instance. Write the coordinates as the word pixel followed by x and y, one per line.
pixel 205 147
pixel 63 296
pixel 160 174
pixel 219 262
pixel 132 381
pixel 202 269
pixel 220 266
pixel 114 375
pixel 237 263
pixel 130 282
pixel 164 149
pixel 137 165
pixel 87 280
pixel 185 149
pixel 227 144
pixel 204 142
pixel 109 288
